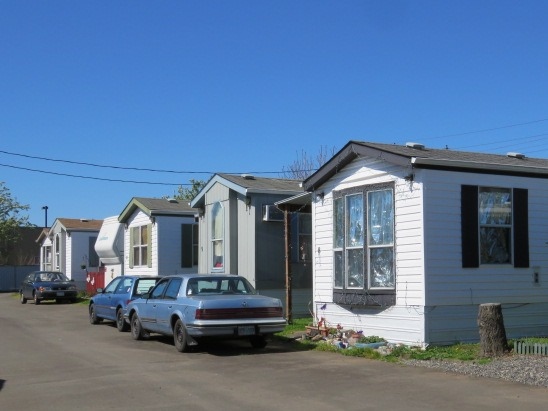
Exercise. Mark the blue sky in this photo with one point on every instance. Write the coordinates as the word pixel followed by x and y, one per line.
pixel 235 86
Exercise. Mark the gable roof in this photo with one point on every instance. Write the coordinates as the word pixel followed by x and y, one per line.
pixel 75 224
pixel 246 184
pixel 156 207
pixel 418 156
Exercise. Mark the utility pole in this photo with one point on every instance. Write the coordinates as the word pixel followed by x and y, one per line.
pixel 45 208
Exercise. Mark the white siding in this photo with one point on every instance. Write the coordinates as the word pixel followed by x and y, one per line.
pixel 404 321
pixel 453 293
pixel 139 218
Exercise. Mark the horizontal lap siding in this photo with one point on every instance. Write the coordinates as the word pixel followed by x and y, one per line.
pixel 453 293
pixel 458 323
pixel 404 321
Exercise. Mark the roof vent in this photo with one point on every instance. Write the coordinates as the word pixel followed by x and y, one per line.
pixel 172 200
pixel 248 176
pixel 416 146
pixel 516 155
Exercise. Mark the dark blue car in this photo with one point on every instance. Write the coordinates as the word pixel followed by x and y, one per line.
pixel 110 302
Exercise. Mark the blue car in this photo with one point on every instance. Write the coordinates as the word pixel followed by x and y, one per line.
pixel 47 285
pixel 110 302
pixel 191 307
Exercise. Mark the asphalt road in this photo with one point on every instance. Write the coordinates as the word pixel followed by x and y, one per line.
pixel 52 358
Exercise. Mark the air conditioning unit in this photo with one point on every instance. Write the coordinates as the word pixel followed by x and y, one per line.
pixel 272 213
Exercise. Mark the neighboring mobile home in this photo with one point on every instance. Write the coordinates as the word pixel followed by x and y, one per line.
pixel 160 237
pixel 69 247
pixel 409 241
pixel 242 232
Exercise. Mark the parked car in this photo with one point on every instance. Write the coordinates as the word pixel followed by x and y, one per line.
pixel 110 303
pixel 47 285
pixel 190 307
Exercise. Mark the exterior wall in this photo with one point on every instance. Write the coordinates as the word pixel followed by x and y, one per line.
pixel 77 247
pixel 246 239
pixel 437 300
pixel 169 234
pixel 403 322
pixel 217 193
pixel 453 293
pixel 137 219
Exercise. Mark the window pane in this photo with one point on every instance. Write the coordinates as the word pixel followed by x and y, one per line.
pixel 144 256
pixel 494 245
pixel 495 206
pixel 136 236
pixel 339 277
pixel 382 267
pixel 136 251
pixel 338 223
pixel 218 254
pixel 217 221
pixel 381 217
pixel 354 223
pixel 355 268
pixel 144 234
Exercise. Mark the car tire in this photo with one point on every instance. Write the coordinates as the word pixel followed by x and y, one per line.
pixel 180 337
pixel 36 299
pixel 22 298
pixel 93 319
pixel 121 323
pixel 258 341
pixel 137 332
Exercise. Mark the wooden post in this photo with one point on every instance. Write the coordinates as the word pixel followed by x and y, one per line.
pixel 493 341
pixel 288 273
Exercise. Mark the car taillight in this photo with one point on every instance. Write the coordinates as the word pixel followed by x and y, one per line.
pixel 237 313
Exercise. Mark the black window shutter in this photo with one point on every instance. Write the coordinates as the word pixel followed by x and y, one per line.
pixel 186 245
pixel 469 226
pixel 521 228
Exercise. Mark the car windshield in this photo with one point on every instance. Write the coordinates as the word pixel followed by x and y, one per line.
pixel 50 277
pixel 219 285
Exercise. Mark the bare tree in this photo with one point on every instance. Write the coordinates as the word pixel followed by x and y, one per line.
pixel 305 165
pixel 184 193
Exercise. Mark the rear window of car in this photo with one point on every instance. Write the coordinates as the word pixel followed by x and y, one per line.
pixel 219 285
pixel 144 285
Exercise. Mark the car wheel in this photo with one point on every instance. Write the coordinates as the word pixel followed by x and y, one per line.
pixel 180 337
pixel 36 299
pixel 121 324
pixel 258 341
pixel 137 332
pixel 22 298
pixel 93 319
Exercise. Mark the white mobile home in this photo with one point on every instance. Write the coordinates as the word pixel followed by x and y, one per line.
pixel 160 237
pixel 69 247
pixel 408 242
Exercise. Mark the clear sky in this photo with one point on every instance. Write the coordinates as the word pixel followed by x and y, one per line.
pixel 234 86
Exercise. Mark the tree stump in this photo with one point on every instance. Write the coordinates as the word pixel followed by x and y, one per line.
pixel 493 341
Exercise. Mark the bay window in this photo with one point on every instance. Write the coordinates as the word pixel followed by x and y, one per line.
pixel 363 245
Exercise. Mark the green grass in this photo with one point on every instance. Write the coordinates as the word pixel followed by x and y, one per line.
pixel 455 352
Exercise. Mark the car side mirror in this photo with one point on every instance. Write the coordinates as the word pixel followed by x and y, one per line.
pixel 146 296
pixel 99 291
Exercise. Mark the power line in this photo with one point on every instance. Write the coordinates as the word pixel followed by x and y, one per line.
pixel 95 178
pixel 125 168
pixel 487 129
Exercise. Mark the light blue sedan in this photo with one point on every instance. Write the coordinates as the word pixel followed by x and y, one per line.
pixel 110 303
pixel 190 307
